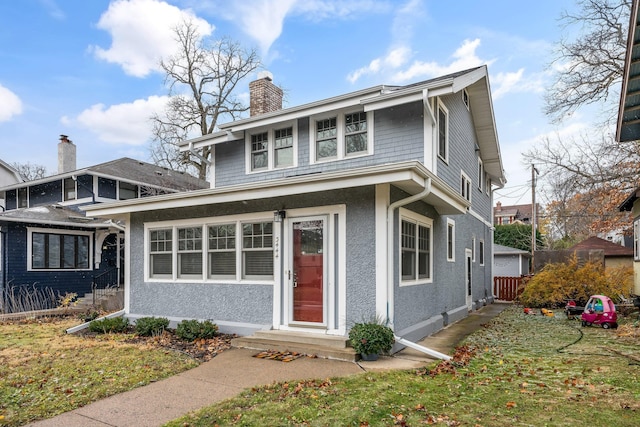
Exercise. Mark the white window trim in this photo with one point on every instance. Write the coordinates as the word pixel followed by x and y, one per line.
pixel 465 189
pixel 465 98
pixel 238 220
pixel 473 249
pixel 59 231
pixel 440 105
pixel 482 252
pixel 451 224
pixel 481 174
pixel 271 130
pixel 419 220
pixel 636 239
pixel 340 137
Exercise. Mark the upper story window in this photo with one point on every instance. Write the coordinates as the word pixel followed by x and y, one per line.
pixel 481 251
pixel 465 98
pixel 465 186
pixel 260 151
pixel 127 191
pixel 636 239
pixel 272 149
pixel 69 189
pixel 480 173
pixel 340 136
pixel 443 132
pixel 23 202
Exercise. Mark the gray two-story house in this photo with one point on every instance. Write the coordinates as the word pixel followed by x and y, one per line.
pixel 372 203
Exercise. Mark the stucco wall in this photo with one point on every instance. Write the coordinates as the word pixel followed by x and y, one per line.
pixel 253 303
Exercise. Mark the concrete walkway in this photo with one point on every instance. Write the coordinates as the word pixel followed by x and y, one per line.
pixel 234 370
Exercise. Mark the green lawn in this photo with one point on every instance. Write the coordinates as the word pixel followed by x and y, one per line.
pixel 525 370
pixel 45 372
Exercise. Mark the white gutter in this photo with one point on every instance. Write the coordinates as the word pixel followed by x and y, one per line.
pixel 422 349
pixel 392 207
pixel 86 324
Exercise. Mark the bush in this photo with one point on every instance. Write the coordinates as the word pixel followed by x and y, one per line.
pixel 556 283
pixel 109 325
pixel 371 338
pixel 151 326
pixel 191 330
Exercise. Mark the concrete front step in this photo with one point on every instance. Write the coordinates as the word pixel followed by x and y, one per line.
pixel 325 346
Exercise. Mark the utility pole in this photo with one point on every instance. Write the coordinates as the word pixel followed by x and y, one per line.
pixel 534 215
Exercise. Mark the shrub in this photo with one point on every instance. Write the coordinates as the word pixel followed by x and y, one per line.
pixel 109 325
pixel 371 338
pixel 191 330
pixel 556 283
pixel 151 326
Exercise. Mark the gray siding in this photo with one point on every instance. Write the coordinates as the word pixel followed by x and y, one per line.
pixel 398 136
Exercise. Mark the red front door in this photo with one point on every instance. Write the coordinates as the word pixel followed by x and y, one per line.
pixel 308 270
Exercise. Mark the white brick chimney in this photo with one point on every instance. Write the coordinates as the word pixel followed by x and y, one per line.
pixel 66 155
pixel 264 95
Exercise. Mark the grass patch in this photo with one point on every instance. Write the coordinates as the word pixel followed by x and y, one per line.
pixel 524 370
pixel 45 372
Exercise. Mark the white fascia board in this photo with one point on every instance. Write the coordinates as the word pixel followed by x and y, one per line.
pixel 212 139
pixel 406 96
pixel 45 180
pixel 407 175
pixel 468 79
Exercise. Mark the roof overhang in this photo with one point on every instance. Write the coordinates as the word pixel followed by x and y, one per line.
pixel 628 126
pixel 627 205
pixel 408 176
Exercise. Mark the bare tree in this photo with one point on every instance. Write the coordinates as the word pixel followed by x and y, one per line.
pixel 590 65
pixel 30 171
pixel 202 78
pixel 586 180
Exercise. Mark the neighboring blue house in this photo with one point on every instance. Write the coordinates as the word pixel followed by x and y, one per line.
pixel 375 202
pixel 46 241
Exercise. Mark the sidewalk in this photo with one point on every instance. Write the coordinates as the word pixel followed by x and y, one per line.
pixel 234 370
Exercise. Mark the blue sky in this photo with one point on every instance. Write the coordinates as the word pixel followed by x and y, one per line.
pixel 88 69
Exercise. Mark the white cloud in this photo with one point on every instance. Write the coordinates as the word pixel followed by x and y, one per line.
pixel 393 60
pixel 262 20
pixel 10 104
pixel 142 33
pixel 463 58
pixel 126 124
pixel 54 10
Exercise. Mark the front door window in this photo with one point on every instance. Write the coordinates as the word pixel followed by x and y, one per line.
pixel 308 271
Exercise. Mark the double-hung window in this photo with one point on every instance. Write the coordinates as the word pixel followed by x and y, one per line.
pixel 271 149
pixel 327 138
pixel 481 251
pixel 160 253
pixel 57 251
pixel 636 239
pixel 341 136
pixel 416 248
pixel 257 250
pixel 480 173
pixel 222 251
pixel 190 252
pixel 259 151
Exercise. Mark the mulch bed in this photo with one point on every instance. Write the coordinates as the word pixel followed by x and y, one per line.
pixel 200 349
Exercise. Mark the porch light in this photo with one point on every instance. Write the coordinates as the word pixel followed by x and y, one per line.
pixel 278 216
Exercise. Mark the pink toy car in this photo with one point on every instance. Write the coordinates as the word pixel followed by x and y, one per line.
pixel 600 310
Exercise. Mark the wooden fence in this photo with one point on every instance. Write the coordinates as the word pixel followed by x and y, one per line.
pixel 508 288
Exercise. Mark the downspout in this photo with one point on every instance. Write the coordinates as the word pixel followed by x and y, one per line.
pixel 390 211
pixel 390 276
